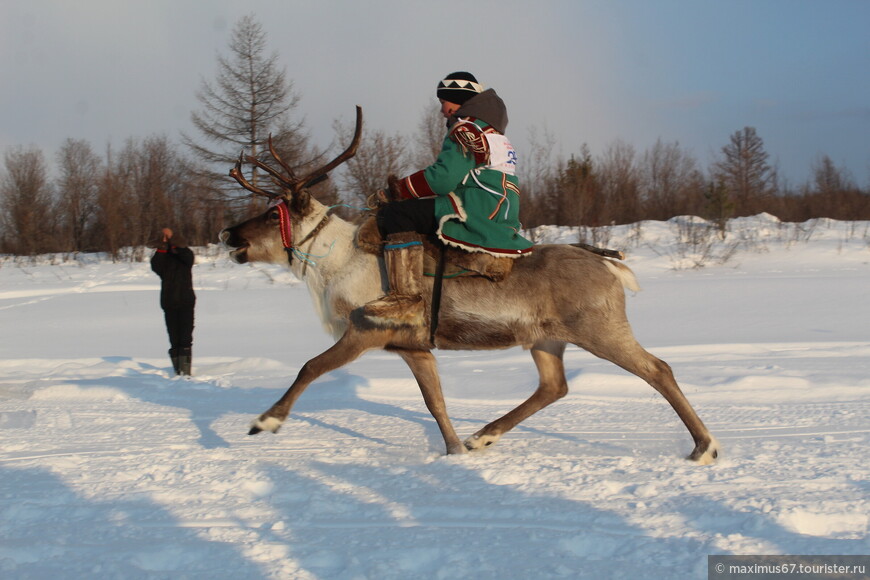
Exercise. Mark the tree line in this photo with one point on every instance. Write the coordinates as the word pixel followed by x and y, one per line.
pixel 120 198
pixel 623 185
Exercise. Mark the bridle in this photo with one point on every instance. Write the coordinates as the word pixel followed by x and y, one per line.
pixel 286 227
pixel 293 187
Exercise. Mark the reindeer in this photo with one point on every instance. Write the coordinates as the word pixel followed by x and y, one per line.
pixel 559 294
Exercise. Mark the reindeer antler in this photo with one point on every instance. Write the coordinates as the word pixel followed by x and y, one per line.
pixel 286 182
pixel 292 183
pixel 318 174
pixel 290 173
pixel 236 173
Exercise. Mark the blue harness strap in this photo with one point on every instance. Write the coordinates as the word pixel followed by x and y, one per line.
pixel 400 245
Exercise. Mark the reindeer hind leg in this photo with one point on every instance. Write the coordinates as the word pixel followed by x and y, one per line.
pixel 620 348
pixel 552 387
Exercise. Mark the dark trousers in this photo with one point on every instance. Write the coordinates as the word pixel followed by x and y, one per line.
pixel 179 325
pixel 412 215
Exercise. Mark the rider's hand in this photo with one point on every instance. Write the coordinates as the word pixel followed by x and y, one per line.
pixel 393 189
pixel 377 199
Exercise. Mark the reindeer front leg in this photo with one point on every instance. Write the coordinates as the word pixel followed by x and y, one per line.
pixel 348 348
pixel 425 369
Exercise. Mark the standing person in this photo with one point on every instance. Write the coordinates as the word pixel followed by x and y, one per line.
pixel 469 198
pixel 173 262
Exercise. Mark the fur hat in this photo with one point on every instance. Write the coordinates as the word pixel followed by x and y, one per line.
pixel 458 87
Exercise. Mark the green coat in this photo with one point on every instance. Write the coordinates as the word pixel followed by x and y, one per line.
pixel 478 201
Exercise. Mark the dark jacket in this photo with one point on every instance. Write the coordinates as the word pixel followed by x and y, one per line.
pixel 173 264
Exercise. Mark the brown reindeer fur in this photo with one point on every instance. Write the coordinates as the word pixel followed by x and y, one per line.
pixel 368 238
pixel 403 305
pixel 459 263
pixel 557 295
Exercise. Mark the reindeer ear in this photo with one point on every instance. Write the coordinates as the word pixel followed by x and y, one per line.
pixel 300 202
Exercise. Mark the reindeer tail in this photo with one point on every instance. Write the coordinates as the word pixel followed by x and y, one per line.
pixel 624 274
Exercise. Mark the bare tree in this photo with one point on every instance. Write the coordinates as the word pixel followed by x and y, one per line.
pixel 160 187
pixel 431 131
pixel 110 212
pixel 828 179
pixel 250 99
pixel 620 183
pixel 152 179
pixel 77 188
pixel 831 192
pixel 378 156
pixel 671 183
pixel 745 172
pixel 202 217
pixel 25 203
pixel 539 173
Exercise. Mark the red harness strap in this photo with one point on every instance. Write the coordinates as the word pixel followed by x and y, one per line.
pixel 286 229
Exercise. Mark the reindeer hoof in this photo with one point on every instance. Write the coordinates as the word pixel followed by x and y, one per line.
pixel 264 423
pixel 478 441
pixel 457 449
pixel 705 454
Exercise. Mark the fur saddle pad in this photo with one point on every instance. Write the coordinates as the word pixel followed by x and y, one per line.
pixel 458 263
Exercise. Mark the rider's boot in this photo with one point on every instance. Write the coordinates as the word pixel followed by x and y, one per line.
pixel 403 305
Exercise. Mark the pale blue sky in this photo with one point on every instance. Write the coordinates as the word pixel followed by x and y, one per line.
pixel 691 71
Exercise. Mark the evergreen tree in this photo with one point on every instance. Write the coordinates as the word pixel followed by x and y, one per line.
pixel 250 99
pixel 719 207
pixel 578 202
pixel 745 172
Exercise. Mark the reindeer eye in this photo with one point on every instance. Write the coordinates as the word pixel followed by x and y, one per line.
pixel 275 215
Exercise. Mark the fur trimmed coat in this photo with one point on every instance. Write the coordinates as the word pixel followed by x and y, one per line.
pixel 474 178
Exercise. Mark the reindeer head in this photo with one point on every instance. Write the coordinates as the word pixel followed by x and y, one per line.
pixel 270 237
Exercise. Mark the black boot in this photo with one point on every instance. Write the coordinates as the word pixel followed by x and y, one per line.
pixel 173 356
pixel 184 361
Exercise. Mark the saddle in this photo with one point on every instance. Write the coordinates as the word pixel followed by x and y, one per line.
pixel 457 263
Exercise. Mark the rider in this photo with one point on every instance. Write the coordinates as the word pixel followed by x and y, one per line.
pixel 469 198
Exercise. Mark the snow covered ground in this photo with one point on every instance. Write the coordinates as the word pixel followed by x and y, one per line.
pixel 112 468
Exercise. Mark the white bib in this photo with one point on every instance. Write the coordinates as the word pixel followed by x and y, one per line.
pixel 502 156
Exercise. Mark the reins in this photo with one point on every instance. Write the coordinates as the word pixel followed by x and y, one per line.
pixel 436 293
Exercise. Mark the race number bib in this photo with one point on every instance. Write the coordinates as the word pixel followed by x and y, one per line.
pixel 502 156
